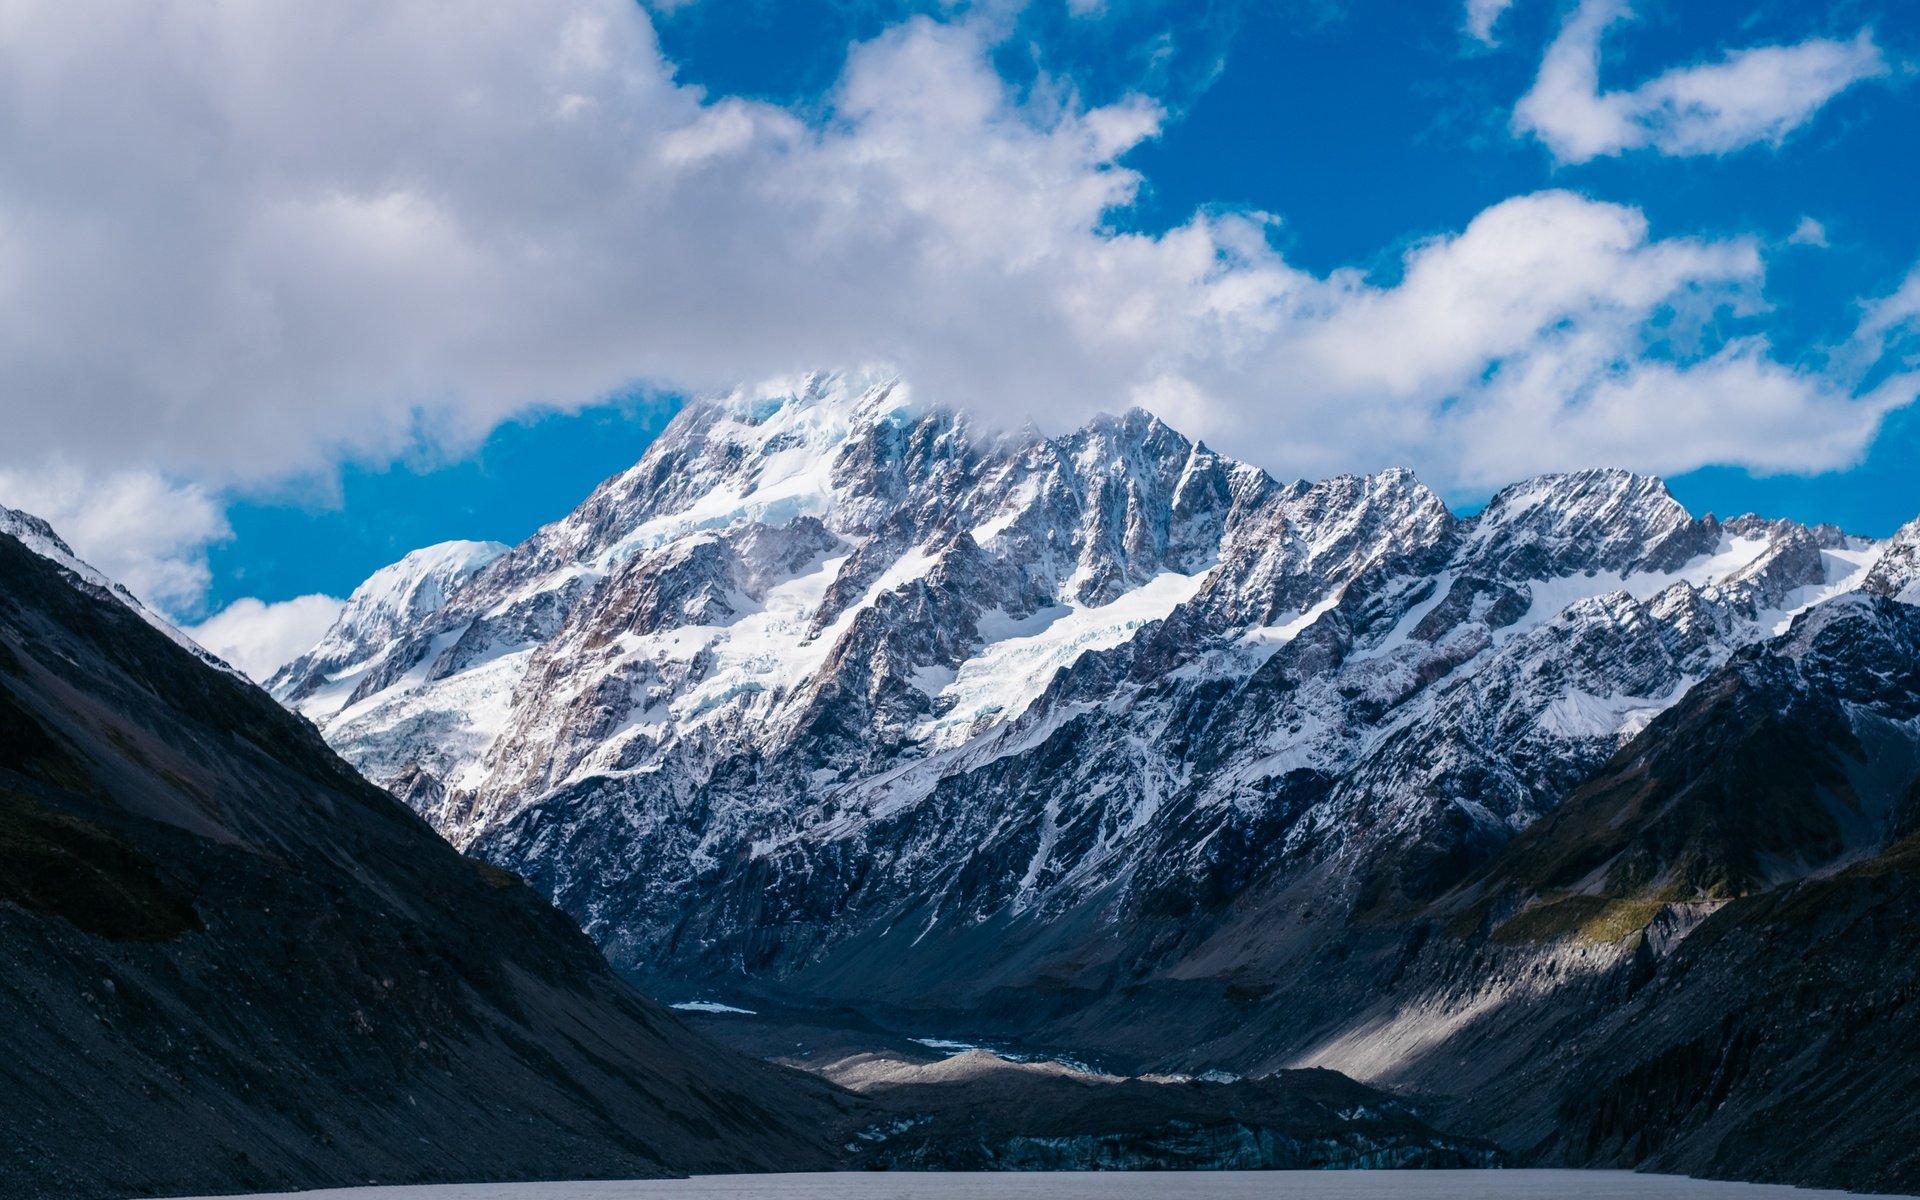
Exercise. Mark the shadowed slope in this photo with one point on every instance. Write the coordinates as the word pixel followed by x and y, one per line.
pixel 232 964
pixel 1749 856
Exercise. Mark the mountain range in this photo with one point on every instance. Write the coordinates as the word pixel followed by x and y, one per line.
pixel 1577 830
pixel 1106 745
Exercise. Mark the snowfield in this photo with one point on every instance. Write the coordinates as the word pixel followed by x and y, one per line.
pixel 1117 1185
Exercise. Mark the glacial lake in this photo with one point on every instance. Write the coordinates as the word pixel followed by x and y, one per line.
pixel 1114 1185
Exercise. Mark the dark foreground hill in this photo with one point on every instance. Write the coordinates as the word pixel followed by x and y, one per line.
pixel 229 963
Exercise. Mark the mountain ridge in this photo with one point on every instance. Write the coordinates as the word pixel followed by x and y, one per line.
pixel 873 600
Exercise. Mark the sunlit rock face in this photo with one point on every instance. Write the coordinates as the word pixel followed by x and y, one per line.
pixel 839 695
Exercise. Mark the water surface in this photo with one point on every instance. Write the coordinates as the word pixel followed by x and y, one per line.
pixel 1115 1185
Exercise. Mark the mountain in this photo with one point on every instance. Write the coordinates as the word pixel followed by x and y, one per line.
pixel 232 964
pixel 832 691
pixel 1106 745
pixel 1897 573
pixel 1705 959
pixel 36 535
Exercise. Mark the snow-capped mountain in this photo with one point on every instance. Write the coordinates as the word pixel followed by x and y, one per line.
pixel 385 607
pixel 832 691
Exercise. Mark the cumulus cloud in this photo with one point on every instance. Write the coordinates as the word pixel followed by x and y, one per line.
pixel 140 529
pixel 1553 332
pixel 239 242
pixel 1482 16
pixel 260 638
pixel 1752 96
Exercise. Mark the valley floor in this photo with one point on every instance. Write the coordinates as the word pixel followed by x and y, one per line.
pixel 1117 1185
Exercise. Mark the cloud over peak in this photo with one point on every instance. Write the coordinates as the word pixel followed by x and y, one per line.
pixel 244 242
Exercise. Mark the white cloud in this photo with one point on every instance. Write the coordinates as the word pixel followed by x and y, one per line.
pixel 1751 96
pixel 1482 16
pixel 1552 333
pixel 243 241
pixel 260 638
pixel 144 531
pixel 1808 232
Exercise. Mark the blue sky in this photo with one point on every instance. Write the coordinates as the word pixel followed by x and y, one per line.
pixel 1743 261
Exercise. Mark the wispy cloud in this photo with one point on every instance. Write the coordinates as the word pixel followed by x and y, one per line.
pixel 1752 96
pixel 1483 16
pixel 1891 325
pixel 1808 232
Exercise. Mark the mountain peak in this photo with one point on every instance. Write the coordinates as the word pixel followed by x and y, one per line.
pixel 417 584
pixel 398 595
pixel 849 397
pixel 1592 520
pixel 37 535
pixel 1600 491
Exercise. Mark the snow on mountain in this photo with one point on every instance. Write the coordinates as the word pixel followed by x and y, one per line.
pixel 392 600
pixel 829 671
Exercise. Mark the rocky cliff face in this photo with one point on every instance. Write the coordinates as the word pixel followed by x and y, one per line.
pixel 1897 573
pixel 1702 960
pixel 832 692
